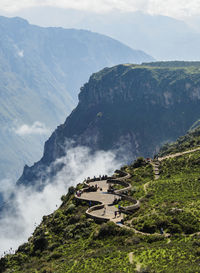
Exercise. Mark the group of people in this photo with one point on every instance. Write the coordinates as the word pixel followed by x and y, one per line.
pixel 117 200
pixel 116 212
pixel 93 188
pixel 103 177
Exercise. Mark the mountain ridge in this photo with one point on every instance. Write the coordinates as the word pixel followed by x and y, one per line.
pixel 41 71
pixel 130 107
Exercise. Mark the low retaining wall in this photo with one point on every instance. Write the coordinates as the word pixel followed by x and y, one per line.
pixel 131 208
pixel 123 175
pixel 120 182
pixel 95 217
pixel 119 192
pixel 113 180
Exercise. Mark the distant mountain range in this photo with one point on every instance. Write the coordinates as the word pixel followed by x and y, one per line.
pixel 163 37
pixel 133 109
pixel 41 71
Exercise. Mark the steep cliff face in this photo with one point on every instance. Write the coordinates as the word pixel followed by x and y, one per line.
pixel 130 108
pixel 41 71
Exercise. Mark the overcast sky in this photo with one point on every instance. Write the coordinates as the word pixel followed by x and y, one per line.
pixel 174 8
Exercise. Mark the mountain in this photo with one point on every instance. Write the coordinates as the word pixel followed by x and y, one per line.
pixel 131 109
pixel 41 71
pixel 162 235
pixel 163 37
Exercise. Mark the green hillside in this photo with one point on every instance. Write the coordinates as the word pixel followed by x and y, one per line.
pixel 190 141
pixel 68 241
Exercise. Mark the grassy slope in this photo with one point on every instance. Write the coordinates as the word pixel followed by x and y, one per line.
pixel 189 141
pixel 67 241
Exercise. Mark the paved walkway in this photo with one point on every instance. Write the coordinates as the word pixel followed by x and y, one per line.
pixel 103 197
pixel 107 210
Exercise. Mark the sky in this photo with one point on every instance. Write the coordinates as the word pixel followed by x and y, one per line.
pixel 174 8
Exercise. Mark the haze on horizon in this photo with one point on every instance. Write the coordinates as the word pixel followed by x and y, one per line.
pixel 179 9
pixel 166 30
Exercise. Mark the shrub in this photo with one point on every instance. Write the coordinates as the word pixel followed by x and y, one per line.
pixel 132 241
pixel 55 255
pixel 53 246
pixel 40 244
pixel 74 219
pixel 71 190
pixel 111 229
pixel 70 208
pixel 139 162
pixel 24 248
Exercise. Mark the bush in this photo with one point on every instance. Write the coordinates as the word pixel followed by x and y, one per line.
pixel 70 209
pixel 71 190
pixel 40 244
pixel 55 255
pixel 111 229
pixel 139 162
pixel 53 246
pixel 74 219
pixel 2 264
pixel 24 248
pixel 132 241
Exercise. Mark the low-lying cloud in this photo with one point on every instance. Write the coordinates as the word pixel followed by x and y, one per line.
pixel 37 128
pixel 31 206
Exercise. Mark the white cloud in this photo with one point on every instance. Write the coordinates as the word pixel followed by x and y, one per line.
pixel 37 128
pixel 31 206
pixel 175 8
pixel 21 53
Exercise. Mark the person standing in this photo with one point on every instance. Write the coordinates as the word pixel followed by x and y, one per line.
pixel 104 211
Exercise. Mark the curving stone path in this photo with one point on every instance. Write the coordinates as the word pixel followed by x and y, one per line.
pixel 105 210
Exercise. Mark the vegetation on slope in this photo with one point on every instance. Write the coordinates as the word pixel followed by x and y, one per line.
pixel 67 241
pixel 190 141
pixel 172 202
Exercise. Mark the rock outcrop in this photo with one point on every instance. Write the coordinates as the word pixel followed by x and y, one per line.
pixel 129 108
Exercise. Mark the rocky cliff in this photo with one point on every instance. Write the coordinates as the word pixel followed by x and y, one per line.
pixel 129 108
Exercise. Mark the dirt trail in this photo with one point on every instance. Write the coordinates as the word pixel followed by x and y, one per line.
pixel 178 154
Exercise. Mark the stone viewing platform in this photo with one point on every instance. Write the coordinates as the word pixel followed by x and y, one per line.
pixel 105 209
